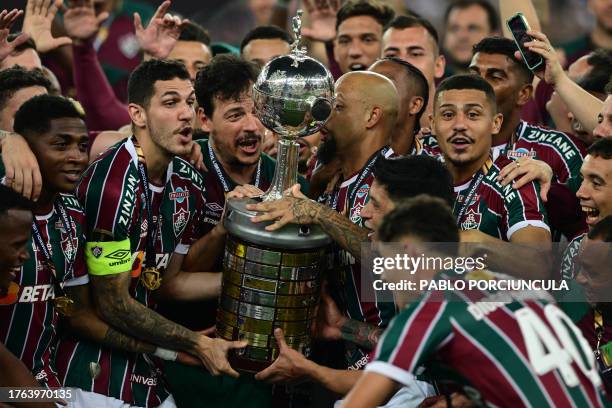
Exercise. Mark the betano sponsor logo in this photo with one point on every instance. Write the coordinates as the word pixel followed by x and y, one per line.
pixel 27 294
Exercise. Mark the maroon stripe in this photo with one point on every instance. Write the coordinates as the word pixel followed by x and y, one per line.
pixel 101 383
pixel 111 195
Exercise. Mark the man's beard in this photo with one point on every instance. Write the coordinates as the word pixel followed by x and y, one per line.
pixel 327 151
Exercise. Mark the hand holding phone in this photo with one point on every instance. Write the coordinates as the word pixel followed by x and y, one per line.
pixel 517 24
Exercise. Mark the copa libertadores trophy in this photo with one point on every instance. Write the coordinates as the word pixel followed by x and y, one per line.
pixel 271 279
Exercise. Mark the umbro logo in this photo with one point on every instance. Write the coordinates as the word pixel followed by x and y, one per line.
pixel 119 254
pixel 214 207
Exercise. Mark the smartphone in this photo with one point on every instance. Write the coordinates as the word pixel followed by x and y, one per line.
pixel 518 27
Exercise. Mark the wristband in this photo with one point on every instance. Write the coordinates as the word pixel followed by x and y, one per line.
pixel 166 354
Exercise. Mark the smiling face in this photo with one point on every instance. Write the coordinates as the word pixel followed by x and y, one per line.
pixel 235 130
pixel 169 116
pixel 15 227
pixel 61 153
pixel 464 122
pixel 358 43
pixel 595 193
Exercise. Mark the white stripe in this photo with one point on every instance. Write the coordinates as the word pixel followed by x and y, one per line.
pixel 523 224
pixel 517 352
pixel 492 359
pixel 391 371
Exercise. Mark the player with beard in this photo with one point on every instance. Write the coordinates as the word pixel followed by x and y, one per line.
pixel 465 120
pixel 493 357
pixel 360 125
pixel 141 202
pixel 595 195
pixel 15 225
pixel 233 157
pixel 413 92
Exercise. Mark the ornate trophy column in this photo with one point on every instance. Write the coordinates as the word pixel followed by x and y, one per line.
pixel 271 279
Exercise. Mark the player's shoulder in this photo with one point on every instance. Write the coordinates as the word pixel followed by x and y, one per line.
pixel 187 173
pixel 72 203
pixel 549 137
pixel 114 161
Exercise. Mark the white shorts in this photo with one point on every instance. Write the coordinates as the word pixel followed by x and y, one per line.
pixel 409 396
pixel 86 399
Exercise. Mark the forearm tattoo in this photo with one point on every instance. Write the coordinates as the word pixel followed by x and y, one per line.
pixel 363 334
pixel 346 234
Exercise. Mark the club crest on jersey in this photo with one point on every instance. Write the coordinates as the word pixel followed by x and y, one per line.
pixel 363 191
pixel 179 195
pixel 519 153
pixel 59 225
pixel 96 251
pixel 179 221
pixel 472 220
pixel 144 228
pixel 356 213
pixel 69 247
pixel 474 200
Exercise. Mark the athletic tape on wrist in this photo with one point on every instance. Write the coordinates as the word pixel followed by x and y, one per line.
pixel 166 354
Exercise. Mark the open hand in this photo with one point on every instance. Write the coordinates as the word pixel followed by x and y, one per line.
pixel 37 22
pixel 162 33
pixel 7 19
pixel 81 22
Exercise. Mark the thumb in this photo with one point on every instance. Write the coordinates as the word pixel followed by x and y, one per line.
pixel 544 188
pixel 295 190
pixel 238 344
pixel 280 339
pixel 61 41
pixel 138 22
pixel 103 16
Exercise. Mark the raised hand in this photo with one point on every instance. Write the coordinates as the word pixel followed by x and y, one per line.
pixel 7 19
pixel 160 36
pixel 37 22
pixel 81 22
pixel 553 70
pixel 322 17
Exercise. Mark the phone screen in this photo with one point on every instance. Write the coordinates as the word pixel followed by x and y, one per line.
pixel 519 31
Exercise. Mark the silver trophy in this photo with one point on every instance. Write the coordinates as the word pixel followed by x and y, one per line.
pixel 271 279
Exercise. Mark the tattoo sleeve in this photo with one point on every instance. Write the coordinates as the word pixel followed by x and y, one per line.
pixel 346 234
pixel 123 312
pixel 87 324
pixel 363 334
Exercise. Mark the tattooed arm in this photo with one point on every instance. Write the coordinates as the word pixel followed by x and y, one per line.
pixel 85 323
pixel 116 306
pixel 298 209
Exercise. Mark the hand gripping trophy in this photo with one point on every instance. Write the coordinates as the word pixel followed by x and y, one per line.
pixel 272 279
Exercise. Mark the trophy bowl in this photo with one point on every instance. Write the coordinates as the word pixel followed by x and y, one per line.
pixel 293 95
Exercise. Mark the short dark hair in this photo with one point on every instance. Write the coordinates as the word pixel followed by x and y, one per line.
pixel 195 32
pixel 601 148
pixel 373 8
pixel 467 81
pixel 16 78
pixel 492 14
pixel 603 230
pixel 35 115
pixel 598 76
pixel 507 47
pixel 413 20
pixel 11 200
pixel 266 32
pixel 141 84
pixel 418 82
pixel 407 177
pixel 427 218
pixel 226 77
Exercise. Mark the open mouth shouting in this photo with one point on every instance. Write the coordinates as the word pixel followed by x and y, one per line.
pixel 186 134
pixel 358 66
pixel 460 143
pixel 249 144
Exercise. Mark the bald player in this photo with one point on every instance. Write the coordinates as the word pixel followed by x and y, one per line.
pixel 358 132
